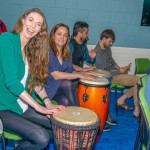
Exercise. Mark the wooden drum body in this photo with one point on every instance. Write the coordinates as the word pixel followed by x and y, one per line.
pixel 75 128
pixel 95 96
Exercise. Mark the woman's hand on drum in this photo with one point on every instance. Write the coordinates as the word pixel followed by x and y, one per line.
pixel 55 107
pixel 49 105
pixel 51 108
pixel 91 68
pixel 86 75
pixel 95 74
pixel 46 111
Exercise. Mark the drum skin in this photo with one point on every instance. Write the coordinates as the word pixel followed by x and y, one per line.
pixel 97 101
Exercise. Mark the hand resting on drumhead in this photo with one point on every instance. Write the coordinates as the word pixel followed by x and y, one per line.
pixel 50 108
pixel 57 75
pixel 87 76
pixel 90 68
pixel 96 74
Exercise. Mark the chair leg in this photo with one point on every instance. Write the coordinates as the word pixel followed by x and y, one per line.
pixel 137 139
pixel 116 96
pixel 3 142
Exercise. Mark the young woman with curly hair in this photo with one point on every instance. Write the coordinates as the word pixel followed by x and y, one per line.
pixel 23 70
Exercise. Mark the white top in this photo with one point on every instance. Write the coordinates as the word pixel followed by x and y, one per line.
pixel 22 104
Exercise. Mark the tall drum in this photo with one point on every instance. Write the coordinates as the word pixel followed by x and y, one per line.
pixel 75 128
pixel 95 96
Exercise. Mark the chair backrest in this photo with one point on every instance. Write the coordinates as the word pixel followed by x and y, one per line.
pixel 142 99
pixel 144 80
pixel 144 127
pixel 2 27
pixel 142 65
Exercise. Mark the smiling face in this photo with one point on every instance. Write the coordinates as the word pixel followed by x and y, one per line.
pixel 60 37
pixel 32 25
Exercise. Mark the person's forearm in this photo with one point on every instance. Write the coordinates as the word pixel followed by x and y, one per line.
pixel 40 91
pixel 64 75
pixel 29 100
pixel 77 68
pixel 117 67
pixel 43 95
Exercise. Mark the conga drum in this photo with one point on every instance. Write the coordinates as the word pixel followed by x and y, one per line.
pixel 95 95
pixel 75 128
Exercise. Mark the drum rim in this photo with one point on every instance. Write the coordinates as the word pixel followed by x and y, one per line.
pixel 73 127
pixel 95 85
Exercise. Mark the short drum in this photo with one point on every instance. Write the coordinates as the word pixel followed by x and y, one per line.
pixel 75 128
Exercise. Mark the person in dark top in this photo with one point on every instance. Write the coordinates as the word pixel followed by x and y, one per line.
pixel 61 72
pixel 79 50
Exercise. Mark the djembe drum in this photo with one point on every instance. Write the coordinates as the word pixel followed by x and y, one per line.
pixel 95 95
pixel 75 128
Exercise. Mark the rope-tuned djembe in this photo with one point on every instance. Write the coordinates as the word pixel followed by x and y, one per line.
pixel 75 128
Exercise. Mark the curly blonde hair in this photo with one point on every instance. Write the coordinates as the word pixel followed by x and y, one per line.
pixel 37 51
pixel 65 51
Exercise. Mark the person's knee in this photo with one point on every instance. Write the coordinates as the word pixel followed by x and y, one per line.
pixel 41 137
pixel 137 79
pixel 68 84
pixel 44 138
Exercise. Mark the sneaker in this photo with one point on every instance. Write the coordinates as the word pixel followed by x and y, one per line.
pixel 107 127
pixel 112 122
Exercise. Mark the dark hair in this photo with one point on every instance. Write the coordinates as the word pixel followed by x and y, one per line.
pixel 78 27
pixel 108 33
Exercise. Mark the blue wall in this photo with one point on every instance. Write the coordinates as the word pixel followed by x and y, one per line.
pixel 123 16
